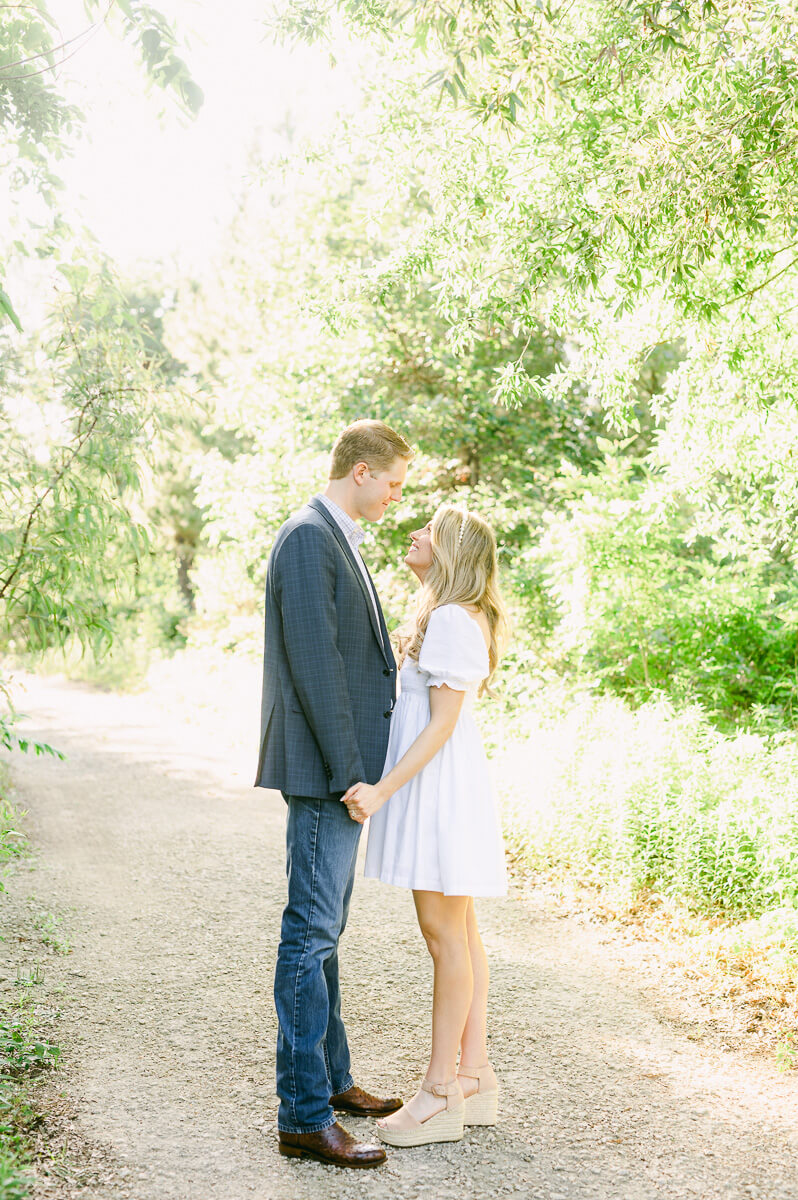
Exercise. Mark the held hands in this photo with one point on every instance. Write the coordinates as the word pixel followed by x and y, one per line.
pixel 362 800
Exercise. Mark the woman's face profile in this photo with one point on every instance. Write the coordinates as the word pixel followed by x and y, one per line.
pixel 419 556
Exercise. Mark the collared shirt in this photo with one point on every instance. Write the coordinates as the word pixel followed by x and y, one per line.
pixel 354 536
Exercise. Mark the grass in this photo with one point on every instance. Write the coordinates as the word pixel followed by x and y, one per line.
pixel 656 814
pixel 655 798
pixel 13 843
pixel 50 933
pixel 24 1055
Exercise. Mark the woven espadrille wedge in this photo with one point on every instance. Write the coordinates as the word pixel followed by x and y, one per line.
pixel 482 1107
pixel 445 1126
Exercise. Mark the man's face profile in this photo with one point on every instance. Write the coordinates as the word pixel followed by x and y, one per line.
pixel 378 489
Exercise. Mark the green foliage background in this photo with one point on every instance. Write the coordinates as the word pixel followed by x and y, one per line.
pixel 555 246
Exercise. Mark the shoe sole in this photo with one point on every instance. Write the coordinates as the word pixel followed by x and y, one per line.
pixel 482 1108
pixel 299 1152
pixel 366 1112
pixel 446 1126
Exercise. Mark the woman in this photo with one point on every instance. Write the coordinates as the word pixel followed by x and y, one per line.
pixel 434 826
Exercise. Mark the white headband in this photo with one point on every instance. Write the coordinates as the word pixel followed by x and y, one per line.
pixel 462 530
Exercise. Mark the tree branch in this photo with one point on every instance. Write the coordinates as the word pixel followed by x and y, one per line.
pixel 759 286
pixel 19 62
pixel 70 458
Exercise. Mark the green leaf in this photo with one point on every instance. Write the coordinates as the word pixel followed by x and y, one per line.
pixel 151 44
pixel 192 94
pixel 7 307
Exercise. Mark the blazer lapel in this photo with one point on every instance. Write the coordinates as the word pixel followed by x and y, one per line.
pixel 386 640
pixel 318 507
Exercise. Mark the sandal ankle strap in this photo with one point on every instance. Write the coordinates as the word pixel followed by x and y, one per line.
pixel 441 1089
pixel 474 1072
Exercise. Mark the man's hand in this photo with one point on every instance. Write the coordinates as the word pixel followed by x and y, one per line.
pixel 362 801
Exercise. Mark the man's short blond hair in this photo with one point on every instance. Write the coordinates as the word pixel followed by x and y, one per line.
pixel 371 442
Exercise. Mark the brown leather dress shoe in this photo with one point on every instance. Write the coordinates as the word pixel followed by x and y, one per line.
pixel 333 1145
pixel 356 1101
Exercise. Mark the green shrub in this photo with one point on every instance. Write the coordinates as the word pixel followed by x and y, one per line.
pixel 23 1055
pixel 644 605
pixel 655 798
pixel 15 1182
pixel 12 841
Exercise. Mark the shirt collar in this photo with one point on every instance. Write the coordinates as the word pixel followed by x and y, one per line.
pixel 351 530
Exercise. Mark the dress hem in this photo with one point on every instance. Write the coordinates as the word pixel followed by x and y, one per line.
pixel 437 886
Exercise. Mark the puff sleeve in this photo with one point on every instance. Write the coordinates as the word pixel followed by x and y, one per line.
pixel 453 651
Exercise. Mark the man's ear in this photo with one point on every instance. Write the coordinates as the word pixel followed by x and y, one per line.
pixel 359 472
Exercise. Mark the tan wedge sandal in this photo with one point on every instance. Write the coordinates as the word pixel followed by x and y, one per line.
pixel 482 1107
pixel 445 1126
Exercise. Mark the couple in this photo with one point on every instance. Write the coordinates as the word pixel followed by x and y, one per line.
pixel 341 748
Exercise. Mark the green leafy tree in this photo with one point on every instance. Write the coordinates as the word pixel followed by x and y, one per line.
pixel 76 430
pixel 658 137
pixel 37 123
pixel 294 349
pixel 648 599
pixel 620 172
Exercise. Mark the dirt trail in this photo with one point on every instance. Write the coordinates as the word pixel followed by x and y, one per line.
pixel 169 867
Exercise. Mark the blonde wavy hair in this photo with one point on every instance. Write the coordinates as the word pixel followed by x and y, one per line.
pixel 465 571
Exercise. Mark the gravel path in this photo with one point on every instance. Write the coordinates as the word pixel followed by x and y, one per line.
pixel 169 868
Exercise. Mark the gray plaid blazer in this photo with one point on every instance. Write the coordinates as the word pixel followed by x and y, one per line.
pixel 329 675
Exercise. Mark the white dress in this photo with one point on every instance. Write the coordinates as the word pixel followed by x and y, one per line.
pixel 441 832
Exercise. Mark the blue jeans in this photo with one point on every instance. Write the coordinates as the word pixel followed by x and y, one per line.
pixel 312 1051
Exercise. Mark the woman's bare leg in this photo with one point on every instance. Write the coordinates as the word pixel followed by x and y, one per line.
pixel 443 924
pixel 474 1043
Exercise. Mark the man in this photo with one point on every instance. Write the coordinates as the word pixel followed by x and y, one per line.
pixel 329 683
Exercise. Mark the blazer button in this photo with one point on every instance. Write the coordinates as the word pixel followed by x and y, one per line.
pixel 385 671
pixel 387 714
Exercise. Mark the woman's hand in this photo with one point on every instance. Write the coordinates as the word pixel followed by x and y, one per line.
pixel 362 801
